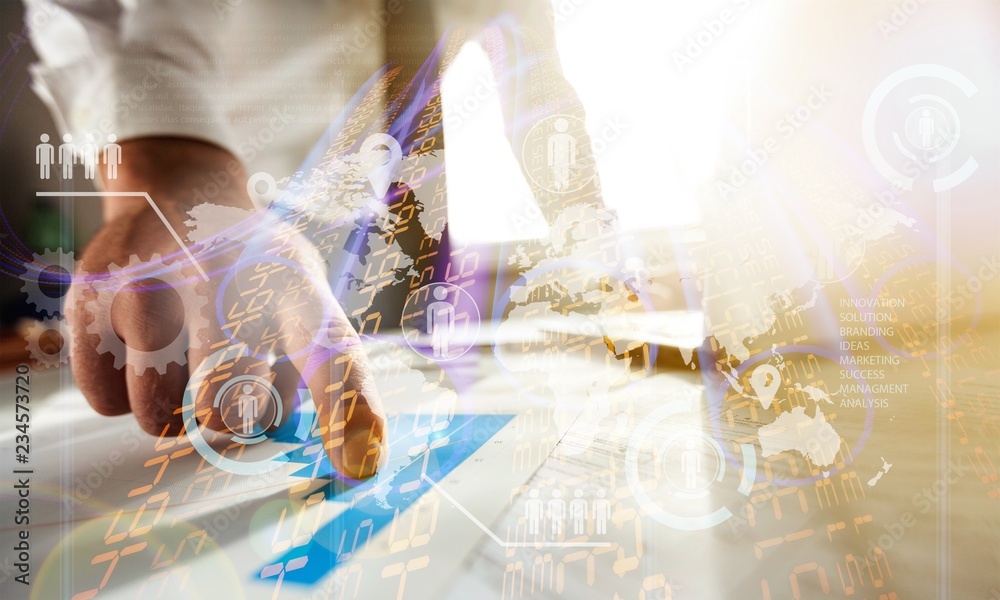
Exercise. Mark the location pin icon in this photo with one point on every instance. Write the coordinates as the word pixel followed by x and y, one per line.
pixel 382 166
pixel 765 381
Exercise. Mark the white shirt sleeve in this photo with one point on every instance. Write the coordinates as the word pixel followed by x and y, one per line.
pixel 133 68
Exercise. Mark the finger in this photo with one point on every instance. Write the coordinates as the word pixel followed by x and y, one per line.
pixel 95 374
pixel 315 335
pixel 156 399
pixel 148 317
pixel 224 358
pixel 349 411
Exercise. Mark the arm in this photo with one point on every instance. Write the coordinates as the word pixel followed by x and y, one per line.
pixel 527 69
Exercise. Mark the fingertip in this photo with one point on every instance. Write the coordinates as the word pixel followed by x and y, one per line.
pixel 362 455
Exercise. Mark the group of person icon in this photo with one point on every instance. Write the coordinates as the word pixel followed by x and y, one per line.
pixel 88 154
pixel 577 510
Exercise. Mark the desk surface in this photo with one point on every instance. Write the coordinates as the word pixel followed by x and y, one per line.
pixel 653 485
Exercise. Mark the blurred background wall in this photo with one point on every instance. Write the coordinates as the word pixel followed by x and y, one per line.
pixel 38 223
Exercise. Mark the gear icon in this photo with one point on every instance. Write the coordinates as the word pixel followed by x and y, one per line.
pixel 42 356
pixel 33 278
pixel 194 320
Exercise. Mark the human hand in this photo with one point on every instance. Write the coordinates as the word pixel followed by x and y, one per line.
pixel 132 328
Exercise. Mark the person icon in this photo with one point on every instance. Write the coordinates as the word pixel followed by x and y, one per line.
pixel 578 512
pixel 690 465
pixel 557 512
pixel 601 512
pixel 440 322
pixel 45 155
pixel 248 409
pixel 112 156
pixel 925 127
pixel 89 157
pixel 561 154
pixel 67 156
pixel 533 509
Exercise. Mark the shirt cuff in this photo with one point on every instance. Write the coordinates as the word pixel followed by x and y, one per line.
pixel 102 97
